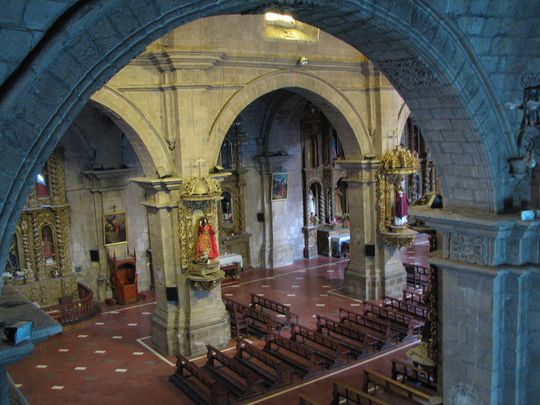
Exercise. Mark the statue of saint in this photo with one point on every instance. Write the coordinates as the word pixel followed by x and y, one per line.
pixel 311 205
pixel 401 208
pixel 206 241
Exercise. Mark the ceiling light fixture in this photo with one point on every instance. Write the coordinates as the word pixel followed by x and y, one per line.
pixel 280 20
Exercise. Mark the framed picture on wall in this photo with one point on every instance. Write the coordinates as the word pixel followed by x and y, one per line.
pixel 114 228
pixel 279 186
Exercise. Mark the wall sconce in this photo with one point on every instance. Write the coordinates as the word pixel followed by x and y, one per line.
pixel 528 136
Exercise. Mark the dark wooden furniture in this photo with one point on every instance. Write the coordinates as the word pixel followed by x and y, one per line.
pixel 405 324
pixel 305 361
pixel 407 372
pixel 275 373
pixel 325 345
pixel 239 323
pixel 258 321
pixel 396 389
pixel 264 304
pixel 123 276
pixel 417 312
pixel 237 378
pixel 197 384
pixel 354 340
pixel 375 328
pixel 76 310
pixel 344 393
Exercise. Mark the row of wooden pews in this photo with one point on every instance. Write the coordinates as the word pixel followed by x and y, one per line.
pixel 260 316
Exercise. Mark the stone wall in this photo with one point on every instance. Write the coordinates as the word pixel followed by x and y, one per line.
pixel 95 142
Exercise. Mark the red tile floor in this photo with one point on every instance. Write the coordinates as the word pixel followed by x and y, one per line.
pixel 109 359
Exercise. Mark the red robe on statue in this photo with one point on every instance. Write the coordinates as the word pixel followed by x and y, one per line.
pixel 206 242
pixel 401 206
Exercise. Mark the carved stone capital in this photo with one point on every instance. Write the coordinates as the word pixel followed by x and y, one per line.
pixel 480 238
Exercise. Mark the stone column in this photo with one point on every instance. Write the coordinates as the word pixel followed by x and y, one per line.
pixel 489 306
pixel 162 197
pixel 380 274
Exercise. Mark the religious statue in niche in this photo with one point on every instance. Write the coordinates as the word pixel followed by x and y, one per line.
pixel 226 209
pixel 206 242
pixel 47 245
pixel 401 207
pixel 13 257
pixel 312 210
pixel 42 183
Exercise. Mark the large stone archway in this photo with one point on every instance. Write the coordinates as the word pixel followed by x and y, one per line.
pixel 330 100
pixel 148 145
pixel 438 62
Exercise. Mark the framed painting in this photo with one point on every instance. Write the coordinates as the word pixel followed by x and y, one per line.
pixel 279 186
pixel 114 228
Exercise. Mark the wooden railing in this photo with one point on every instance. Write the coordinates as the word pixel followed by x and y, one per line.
pixel 75 311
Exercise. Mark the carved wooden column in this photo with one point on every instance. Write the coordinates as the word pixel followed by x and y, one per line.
pixel 162 197
pixel 489 277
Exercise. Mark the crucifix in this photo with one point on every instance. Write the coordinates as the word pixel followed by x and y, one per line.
pixel 200 162
pixel 114 208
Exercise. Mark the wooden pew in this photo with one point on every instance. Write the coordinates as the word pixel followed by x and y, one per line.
pixel 266 304
pixel 404 323
pixel 357 342
pixel 246 386
pixel 398 305
pixel 408 372
pixel 306 362
pixel 259 321
pixel 198 385
pixel 334 350
pixel 413 297
pixel 344 393
pixel 275 373
pixel 373 327
pixel 239 323
pixel 395 388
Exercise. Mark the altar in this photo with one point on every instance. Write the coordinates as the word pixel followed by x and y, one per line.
pixel 232 264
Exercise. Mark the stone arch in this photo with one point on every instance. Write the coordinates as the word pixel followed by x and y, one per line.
pixel 429 61
pixel 328 99
pixel 146 141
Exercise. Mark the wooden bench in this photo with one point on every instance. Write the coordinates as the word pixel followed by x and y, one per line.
pixel 358 342
pixel 248 385
pixel 373 327
pixel 306 362
pixel 266 304
pixel 390 386
pixel 408 372
pixel 404 323
pixel 344 393
pixel 333 349
pixel 239 323
pixel 198 385
pixel 413 297
pixel 398 305
pixel 259 321
pixel 275 373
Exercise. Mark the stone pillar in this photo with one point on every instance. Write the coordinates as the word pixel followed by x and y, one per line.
pixel 369 276
pixel 276 251
pixel 162 197
pixel 489 306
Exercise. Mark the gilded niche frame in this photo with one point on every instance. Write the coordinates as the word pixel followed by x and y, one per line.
pixel 114 228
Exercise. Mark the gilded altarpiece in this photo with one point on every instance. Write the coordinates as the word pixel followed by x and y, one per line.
pixel 325 201
pixel 40 259
pixel 232 226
